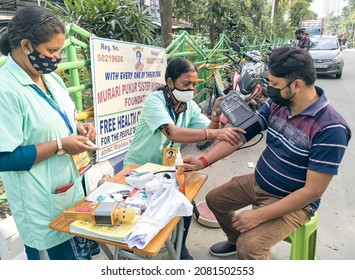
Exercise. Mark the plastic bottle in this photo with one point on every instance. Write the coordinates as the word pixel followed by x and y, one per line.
pixel 179 173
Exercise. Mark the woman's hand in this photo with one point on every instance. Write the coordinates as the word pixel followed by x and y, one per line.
pixel 216 102
pixel 75 144
pixel 229 134
pixel 86 129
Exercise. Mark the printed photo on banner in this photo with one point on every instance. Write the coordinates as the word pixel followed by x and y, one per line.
pixel 123 74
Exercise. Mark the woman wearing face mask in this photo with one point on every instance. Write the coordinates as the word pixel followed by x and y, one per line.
pixel 39 135
pixel 170 117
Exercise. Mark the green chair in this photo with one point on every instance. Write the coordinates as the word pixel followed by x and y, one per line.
pixel 303 240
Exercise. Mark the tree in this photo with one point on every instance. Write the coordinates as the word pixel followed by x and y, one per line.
pixel 254 10
pixel 115 19
pixel 215 13
pixel 300 10
pixel 165 7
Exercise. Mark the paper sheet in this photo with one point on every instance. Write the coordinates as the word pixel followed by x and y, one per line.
pixel 105 190
pixel 152 167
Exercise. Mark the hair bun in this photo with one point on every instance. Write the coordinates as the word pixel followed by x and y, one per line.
pixel 5 47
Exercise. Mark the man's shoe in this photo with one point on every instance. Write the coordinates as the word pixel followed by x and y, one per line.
pixel 185 255
pixel 223 249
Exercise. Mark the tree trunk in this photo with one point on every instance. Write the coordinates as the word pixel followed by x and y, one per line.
pixel 276 6
pixel 257 18
pixel 211 33
pixel 165 8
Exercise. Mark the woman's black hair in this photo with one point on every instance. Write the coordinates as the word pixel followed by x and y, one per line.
pixel 292 63
pixel 37 24
pixel 178 67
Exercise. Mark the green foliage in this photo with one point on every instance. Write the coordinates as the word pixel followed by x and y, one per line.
pixel 300 10
pixel 115 19
pixel 238 18
pixel 331 25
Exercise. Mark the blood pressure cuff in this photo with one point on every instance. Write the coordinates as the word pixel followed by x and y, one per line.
pixel 239 114
pixel 252 128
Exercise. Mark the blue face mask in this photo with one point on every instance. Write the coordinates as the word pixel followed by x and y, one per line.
pixel 43 64
pixel 275 96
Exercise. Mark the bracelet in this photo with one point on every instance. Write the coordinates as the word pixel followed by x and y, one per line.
pixel 204 161
pixel 206 133
pixel 215 114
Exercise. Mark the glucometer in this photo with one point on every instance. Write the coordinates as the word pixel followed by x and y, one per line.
pixel 88 142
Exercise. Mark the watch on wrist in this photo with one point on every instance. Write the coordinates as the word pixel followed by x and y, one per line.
pixel 215 114
pixel 60 150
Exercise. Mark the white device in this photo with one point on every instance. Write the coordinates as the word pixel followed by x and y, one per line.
pixel 88 142
pixel 138 180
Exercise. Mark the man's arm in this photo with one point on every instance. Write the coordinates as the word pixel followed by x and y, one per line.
pixel 306 44
pixel 316 184
pixel 217 152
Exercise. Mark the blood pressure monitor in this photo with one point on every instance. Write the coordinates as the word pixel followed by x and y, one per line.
pixel 138 180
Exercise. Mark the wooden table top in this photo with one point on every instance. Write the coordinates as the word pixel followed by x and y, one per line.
pixel 194 182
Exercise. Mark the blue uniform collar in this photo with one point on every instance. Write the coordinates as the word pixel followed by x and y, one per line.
pixel 19 74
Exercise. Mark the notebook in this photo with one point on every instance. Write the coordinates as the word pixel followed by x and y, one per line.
pixel 118 233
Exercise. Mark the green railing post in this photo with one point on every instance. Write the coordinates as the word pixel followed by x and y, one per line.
pixel 74 77
pixel 181 47
pixel 2 60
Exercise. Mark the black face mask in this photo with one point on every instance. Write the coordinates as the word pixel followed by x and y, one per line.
pixel 275 96
pixel 43 64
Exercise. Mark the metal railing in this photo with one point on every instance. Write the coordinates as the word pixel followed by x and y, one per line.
pixel 183 45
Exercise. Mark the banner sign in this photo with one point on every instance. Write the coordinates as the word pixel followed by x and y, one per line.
pixel 123 74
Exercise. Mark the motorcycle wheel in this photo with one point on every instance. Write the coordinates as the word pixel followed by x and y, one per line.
pixel 205 99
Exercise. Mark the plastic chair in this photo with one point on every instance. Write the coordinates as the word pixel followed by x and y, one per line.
pixel 303 240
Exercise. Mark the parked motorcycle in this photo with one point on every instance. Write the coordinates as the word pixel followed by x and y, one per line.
pixel 253 78
pixel 249 79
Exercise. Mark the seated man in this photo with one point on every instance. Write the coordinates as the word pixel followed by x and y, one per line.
pixel 306 141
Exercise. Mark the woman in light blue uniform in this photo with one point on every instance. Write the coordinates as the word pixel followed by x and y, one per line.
pixel 39 135
pixel 170 117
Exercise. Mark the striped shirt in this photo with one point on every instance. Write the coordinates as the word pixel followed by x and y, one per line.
pixel 314 139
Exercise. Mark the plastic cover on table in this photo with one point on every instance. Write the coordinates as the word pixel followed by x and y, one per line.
pixel 164 205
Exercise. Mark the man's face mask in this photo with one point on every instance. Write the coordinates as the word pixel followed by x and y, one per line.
pixel 43 64
pixel 275 96
pixel 183 95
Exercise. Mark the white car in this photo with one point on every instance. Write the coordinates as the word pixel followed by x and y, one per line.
pixel 326 54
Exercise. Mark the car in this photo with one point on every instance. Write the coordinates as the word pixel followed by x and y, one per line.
pixel 326 54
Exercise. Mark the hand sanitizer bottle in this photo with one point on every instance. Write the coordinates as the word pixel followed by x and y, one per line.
pixel 179 173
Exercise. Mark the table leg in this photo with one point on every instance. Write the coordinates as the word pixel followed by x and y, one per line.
pixel 120 253
pixel 175 254
pixel 106 250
